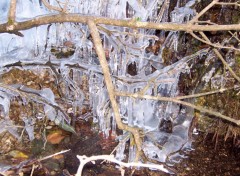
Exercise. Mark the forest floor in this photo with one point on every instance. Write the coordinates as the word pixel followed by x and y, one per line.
pixel 203 160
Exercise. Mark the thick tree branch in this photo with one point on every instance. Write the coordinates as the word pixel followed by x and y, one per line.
pixel 76 18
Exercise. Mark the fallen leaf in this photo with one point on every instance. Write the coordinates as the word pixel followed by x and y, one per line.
pixel 16 154
pixel 55 137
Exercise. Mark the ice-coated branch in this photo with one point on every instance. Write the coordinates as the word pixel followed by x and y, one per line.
pixel 110 87
pixel 221 58
pixel 32 95
pixel 170 99
pixel 84 160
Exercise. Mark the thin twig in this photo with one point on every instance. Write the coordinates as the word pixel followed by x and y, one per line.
pixel 170 99
pixel 229 3
pixel 55 154
pixel 195 19
pixel 50 7
pixel 221 58
pixel 235 36
pixel 212 44
pixel 205 93
pixel 84 160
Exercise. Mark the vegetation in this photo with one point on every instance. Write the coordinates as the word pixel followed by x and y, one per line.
pixel 47 85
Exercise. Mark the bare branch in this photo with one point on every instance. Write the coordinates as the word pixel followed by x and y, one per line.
pixel 107 77
pixel 205 93
pixel 50 7
pixel 212 44
pixel 229 3
pixel 55 154
pixel 235 36
pixel 201 109
pixel 195 19
pixel 76 18
pixel 222 59
pixel 84 160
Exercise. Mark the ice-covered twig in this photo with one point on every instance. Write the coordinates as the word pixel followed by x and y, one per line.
pixel 32 95
pixel 195 19
pixel 221 58
pixel 84 160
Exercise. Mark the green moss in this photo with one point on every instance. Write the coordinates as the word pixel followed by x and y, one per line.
pixel 236 18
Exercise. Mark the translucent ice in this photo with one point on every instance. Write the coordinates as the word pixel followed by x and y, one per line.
pixel 132 69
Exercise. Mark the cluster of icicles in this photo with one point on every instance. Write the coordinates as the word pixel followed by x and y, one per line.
pixel 126 50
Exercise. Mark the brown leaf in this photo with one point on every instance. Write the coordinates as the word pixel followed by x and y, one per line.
pixel 55 137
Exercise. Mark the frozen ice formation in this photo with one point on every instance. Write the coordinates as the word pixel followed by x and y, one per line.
pixel 164 123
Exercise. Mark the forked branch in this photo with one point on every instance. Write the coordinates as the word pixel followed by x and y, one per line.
pixel 110 87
